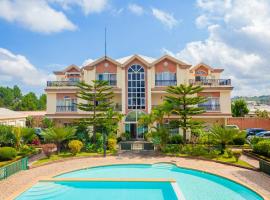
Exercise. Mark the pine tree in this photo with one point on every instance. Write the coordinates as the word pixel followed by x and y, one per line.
pixel 183 100
pixel 97 100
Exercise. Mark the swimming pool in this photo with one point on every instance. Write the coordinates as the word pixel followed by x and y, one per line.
pixel 193 184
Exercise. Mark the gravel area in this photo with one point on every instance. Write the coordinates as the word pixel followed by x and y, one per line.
pixel 19 182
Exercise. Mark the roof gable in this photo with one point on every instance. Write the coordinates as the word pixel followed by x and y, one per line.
pixel 171 58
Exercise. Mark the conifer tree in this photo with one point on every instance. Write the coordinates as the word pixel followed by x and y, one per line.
pixel 97 100
pixel 183 100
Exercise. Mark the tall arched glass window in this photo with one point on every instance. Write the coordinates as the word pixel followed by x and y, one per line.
pixel 136 87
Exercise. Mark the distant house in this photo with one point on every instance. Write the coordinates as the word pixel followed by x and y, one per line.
pixel 13 118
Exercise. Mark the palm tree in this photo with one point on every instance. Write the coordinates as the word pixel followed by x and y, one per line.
pixel 222 136
pixel 58 135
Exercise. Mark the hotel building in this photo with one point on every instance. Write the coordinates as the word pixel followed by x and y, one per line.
pixel 138 83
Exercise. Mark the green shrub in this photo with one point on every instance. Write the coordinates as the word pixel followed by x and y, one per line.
pixel 93 148
pixel 255 140
pixel 7 153
pixel 26 150
pixel 112 136
pixel 175 139
pixel 262 148
pixel 198 150
pixel 7 138
pixel 172 148
pixel 239 140
pixel 28 134
pixel 112 143
pixel 75 146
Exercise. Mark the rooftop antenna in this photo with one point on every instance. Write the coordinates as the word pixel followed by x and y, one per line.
pixel 105 42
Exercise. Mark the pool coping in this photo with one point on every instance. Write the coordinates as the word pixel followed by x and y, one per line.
pixel 24 189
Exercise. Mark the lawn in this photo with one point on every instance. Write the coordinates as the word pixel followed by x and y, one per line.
pixel 221 158
pixel 66 155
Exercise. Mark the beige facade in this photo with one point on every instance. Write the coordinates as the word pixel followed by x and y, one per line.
pixel 139 84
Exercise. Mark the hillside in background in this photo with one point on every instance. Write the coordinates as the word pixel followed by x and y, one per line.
pixel 265 99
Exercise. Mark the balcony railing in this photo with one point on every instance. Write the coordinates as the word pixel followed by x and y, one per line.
pixel 61 83
pixel 66 108
pixel 211 82
pixel 165 82
pixel 215 107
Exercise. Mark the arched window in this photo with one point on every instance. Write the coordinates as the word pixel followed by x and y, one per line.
pixel 136 87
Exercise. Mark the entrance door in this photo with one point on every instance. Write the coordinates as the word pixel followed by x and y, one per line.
pixel 133 131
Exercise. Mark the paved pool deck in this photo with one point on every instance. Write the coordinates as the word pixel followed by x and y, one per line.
pixel 11 187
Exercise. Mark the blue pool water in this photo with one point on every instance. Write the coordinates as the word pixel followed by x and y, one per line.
pixel 100 191
pixel 194 185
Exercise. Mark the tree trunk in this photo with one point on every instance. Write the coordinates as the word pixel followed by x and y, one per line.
pixel 184 135
pixel 58 145
pixel 223 145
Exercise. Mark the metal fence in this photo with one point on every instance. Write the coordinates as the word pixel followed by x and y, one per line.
pixel 13 168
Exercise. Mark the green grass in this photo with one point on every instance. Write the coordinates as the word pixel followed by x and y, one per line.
pixel 65 155
pixel 233 161
pixel 221 158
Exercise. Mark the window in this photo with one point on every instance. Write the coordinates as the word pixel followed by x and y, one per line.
pixel 212 104
pixel 66 104
pixel 165 79
pixel 136 87
pixel 111 78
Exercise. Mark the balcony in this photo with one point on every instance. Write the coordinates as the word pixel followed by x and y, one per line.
pixel 209 107
pixel 211 82
pixel 61 83
pixel 66 108
pixel 165 82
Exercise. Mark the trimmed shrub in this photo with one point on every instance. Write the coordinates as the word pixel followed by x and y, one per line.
pixel 262 148
pixel 26 150
pixel 255 140
pixel 75 146
pixel 239 140
pixel 7 153
pixel 49 149
pixel 175 139
pixel 112 143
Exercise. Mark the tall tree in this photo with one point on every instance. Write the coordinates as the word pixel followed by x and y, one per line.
pixel 239 108
pixel 97 100
pixel 183 99
pixel 42 102
pixel 29 102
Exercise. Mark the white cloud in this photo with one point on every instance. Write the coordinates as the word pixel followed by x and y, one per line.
pixel 35 15
pixel 18 68
pixel 239 42
pixel 136 9
pixel 165 18
pixel 88 6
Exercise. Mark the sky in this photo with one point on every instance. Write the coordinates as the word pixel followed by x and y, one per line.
pixel 40 36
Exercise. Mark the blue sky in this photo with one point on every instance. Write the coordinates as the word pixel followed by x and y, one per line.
pixel 39 36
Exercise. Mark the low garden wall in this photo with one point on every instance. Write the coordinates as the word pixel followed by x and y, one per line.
pixel 244 123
